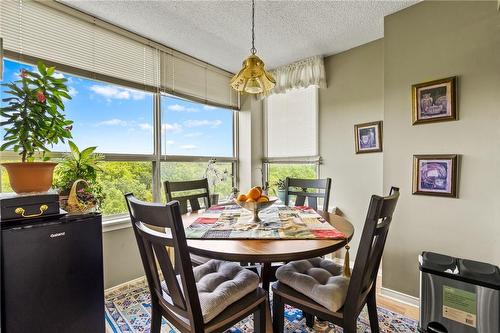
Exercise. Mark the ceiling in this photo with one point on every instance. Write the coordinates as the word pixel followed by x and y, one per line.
pixel 218 32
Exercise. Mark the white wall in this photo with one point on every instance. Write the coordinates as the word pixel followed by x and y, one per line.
pixel 250 142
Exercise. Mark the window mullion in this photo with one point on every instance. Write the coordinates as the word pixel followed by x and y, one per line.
pixel 157 148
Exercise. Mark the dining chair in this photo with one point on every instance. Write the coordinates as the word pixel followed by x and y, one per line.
pixel 208 298
pixel 323 185
pixel 201 187
pixel 202 192
pixel 318 287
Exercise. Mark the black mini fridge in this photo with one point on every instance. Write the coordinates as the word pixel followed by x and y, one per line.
pixel 52 276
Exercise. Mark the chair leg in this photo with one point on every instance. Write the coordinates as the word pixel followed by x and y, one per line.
pixel 155 319
pixel 260 318
pixel 309 319
pixel 278 314
pixel 350 327
pixel 371 303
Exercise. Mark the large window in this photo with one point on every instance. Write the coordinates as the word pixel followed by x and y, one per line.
pixel 194 129
pixel 291 135
pixel 192 134
pixel 278 171
pixel 177 171
pixel 121 122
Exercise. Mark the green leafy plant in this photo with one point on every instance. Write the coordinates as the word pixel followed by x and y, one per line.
pixel 76 165
pixel 34 115
pixel 280 184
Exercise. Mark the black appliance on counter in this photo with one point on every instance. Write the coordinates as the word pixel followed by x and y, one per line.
pixel 52 274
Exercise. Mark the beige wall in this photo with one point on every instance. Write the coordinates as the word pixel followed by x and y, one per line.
pixel 433 40
pixel 354 95
pixel 122 262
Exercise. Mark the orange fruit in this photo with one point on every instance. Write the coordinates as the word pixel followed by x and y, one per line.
pixel 259 189
pixel 253 194
pixel 250 200
pixel 242 197
pixel 263 199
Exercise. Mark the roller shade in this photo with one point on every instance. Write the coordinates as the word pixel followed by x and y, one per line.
pixel 292 123
pixel 83 45
pixel 185 76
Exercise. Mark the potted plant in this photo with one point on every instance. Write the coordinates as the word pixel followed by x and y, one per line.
pixel 79 167
pixel 214 177
pixel 34 119
pixel 281 188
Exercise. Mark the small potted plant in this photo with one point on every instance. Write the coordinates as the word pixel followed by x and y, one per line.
pixel 33 120
pixel 214 177
pixel 81 167
pixel 281 188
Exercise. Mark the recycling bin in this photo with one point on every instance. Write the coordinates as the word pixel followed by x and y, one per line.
pixel 458 295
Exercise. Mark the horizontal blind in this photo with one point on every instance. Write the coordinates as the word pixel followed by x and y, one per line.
pixel 292 123
pixel 187 77
pixel 34 30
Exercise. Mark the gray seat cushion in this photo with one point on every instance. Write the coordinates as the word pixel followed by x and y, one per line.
pixel 220 284
pixel 317 278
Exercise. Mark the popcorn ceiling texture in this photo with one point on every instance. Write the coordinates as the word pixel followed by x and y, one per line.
pixel 218 32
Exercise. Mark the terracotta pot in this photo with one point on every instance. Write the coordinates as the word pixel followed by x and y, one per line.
pixel 30 176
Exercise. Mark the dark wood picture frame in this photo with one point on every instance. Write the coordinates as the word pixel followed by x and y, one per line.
pixel 453 159
pixel 416 88
pixel 379 128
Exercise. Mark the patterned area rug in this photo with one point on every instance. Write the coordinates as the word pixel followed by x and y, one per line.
pixel 128 310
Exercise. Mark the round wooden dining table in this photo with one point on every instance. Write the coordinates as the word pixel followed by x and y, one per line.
pixel 267 251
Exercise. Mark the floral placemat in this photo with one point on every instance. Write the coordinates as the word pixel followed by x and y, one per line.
pixel 278 222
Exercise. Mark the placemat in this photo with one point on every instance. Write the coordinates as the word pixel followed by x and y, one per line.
pixel 278 222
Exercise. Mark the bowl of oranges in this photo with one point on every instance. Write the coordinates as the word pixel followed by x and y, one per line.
pixel 255 201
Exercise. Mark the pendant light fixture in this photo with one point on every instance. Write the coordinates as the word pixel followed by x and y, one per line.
pixel 253 77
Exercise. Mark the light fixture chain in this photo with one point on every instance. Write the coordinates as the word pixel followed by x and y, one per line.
pixel 253 50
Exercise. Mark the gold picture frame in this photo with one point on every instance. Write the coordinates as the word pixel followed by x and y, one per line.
pixel 434 101
pixel 368 137
pixel 435 175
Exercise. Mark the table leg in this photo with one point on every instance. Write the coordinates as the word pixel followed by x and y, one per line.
pixel 265 275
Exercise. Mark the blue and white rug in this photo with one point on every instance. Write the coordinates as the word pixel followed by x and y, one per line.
pixel 128 311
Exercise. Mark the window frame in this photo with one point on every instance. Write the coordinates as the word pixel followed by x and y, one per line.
pixel 156 157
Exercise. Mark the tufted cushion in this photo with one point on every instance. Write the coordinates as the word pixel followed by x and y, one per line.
pixel 220 284
pixel 317 278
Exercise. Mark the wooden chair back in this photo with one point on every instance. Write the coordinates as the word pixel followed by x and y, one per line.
pixel 322 187
pixel 371 248
pixel 152 244
pixel 193 199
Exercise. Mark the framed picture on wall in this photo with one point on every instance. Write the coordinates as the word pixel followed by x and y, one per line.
pixel 435 175
pixel 434 101
pixel 368 137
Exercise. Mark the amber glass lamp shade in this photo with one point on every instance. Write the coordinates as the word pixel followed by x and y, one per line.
pixel 253 78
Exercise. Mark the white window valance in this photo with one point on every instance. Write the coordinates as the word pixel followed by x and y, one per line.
pixel 301 74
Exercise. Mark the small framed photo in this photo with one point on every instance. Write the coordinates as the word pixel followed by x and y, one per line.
pixel 368 137
pixel 434 101
pixel 435 175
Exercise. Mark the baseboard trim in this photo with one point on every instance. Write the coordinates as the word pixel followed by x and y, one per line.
pixel 400 297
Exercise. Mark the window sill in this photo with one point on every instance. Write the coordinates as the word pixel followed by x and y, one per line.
pixel 113 223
